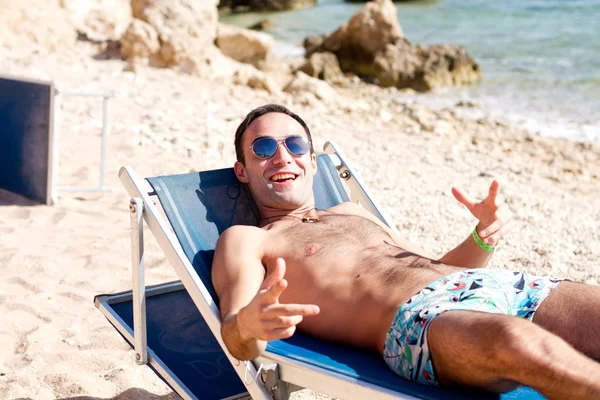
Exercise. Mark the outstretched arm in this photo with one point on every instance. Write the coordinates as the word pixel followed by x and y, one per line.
pixel 494 217
pixel 237 274
pixel 250 308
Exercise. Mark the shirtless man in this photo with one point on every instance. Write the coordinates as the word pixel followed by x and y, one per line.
pixel 341 275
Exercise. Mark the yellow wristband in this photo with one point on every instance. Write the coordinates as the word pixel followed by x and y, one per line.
pixel 480 242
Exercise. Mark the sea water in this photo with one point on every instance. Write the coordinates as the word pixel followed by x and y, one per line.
pixel 540 58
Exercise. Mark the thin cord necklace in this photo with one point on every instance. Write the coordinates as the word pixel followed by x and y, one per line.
pixel 303 218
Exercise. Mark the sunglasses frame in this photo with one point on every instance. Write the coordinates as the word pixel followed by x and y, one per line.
pixel 277 147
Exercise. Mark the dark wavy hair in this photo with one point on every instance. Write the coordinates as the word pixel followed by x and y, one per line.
pixel 259 112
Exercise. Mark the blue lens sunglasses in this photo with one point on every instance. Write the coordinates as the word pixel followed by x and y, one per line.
pixel 266 147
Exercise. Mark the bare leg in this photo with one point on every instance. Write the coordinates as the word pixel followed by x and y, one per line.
pixel 498 353
pixel 572 311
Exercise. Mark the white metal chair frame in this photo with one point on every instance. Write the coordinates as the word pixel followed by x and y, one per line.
pixel 278 375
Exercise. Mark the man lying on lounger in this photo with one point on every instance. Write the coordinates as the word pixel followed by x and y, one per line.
pixel 341 275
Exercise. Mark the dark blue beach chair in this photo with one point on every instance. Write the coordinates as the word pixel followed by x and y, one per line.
pixel 177 325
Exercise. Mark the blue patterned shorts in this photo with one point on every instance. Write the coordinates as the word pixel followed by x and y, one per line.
pixel 485 290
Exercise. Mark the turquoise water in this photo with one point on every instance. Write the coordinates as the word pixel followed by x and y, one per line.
pixel 540 58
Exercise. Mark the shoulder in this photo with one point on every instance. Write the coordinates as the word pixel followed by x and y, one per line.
pixel 237 264
pixel 237 245
pixel 348 207
pixel 239 239
pixel 238 234
pixel 355 209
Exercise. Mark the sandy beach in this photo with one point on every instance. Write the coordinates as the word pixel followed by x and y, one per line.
pixel 55 259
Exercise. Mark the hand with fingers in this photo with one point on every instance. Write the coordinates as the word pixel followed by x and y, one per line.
pixel 265 318
pixel 493 213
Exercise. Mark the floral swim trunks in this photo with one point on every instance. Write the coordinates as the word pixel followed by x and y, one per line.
pixel 493 291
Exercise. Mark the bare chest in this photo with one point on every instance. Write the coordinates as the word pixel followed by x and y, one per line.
pixel 330 232
pixel 334 246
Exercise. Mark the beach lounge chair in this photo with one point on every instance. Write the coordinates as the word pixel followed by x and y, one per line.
pixel 174 328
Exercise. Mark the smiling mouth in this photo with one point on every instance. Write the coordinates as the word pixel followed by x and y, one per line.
pixel 283 177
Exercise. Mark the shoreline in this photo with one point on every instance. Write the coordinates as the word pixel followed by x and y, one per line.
pixel 479 102
pixel 544 79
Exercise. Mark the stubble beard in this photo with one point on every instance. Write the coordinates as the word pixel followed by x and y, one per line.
pixel 290 199
pixel 287 200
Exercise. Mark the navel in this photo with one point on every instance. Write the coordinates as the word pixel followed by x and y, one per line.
pixel 311 249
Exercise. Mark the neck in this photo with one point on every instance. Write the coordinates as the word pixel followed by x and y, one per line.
pixel 268 215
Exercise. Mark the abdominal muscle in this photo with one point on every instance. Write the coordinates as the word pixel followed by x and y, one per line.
pixel 357 286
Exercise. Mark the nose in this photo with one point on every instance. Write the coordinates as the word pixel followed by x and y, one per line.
pixel 282 156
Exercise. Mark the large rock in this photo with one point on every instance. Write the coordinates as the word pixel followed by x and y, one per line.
pixel 99 20
pixel 244 45
pixel 266 5
pixel 250 76
pixel 281 70
pixel 444 65
pixel 262 25
pixel 302 83
pixel 140 43
pixel 323 66
pixel 186 30
pixel 368 32
pixel 372 45
pixel 25 27
pixel 421 68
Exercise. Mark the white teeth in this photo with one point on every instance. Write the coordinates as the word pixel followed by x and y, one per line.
pixel 278 177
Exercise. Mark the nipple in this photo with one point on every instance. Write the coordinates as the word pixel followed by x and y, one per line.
pixel 311 249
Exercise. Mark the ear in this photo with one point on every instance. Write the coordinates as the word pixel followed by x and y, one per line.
pixel 313 162
pixel 240 172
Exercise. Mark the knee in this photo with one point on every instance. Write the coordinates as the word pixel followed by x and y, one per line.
pixel 519 341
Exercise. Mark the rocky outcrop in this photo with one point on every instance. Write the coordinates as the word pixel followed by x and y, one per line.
pixel 262 25
pixel 373 46
pixel 249 76
pixel 266 5
pixel 186 31
pixel 323 66
pixel 244 45
pixel 302 83
pixel 422 68
pixel 140 44
pixel 28 26
pixel 366 33
pixel 99 20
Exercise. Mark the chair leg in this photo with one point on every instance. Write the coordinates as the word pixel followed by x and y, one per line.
pixel 136 206
pixel 277 388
